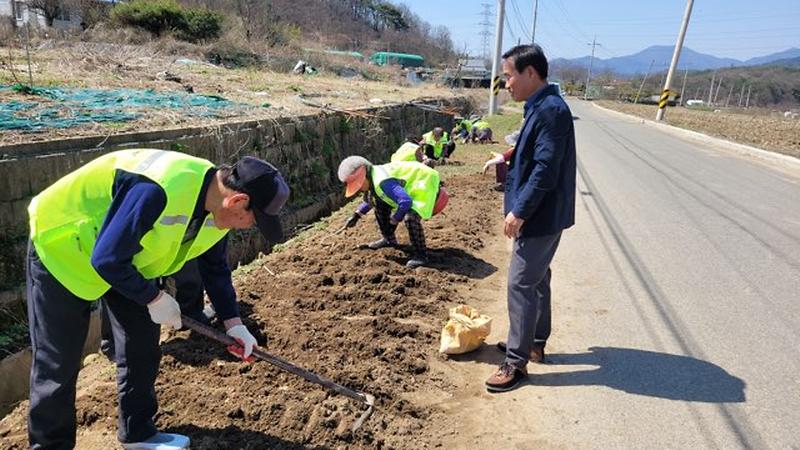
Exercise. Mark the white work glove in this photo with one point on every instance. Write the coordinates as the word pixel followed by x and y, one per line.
pixel 497 160
pixel 164 310
pixel 246 342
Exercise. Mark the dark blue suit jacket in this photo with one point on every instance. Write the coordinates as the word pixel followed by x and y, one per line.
pixel 540 186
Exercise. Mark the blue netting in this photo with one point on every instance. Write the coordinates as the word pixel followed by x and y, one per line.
pixel 70 107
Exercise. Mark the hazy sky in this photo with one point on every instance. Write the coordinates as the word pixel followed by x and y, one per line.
pixel 726 28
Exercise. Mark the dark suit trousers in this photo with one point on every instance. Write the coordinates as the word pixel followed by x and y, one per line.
pixel 529 295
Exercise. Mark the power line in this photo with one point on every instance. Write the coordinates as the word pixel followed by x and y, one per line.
pixel 563 9
pixel 510 29
pixel 518 15
pixel 741 17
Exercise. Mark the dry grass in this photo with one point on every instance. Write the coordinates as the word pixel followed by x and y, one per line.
pixel 271 93
pixel 760 128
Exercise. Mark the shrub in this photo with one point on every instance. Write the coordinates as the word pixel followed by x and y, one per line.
pixel 159 16
pixel 199 25
pixel 154 16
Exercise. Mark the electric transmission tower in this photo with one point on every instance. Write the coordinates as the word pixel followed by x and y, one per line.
pixel 486 31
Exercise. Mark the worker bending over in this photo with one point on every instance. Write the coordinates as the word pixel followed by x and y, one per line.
pixel 399 191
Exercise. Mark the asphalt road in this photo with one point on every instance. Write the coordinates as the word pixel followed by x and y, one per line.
pixel 677 295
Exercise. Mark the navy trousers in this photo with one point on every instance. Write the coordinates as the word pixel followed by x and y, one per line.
pixel 529 317
pixel 59 322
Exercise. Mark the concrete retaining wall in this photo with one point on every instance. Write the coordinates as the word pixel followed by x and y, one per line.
pixel 307 150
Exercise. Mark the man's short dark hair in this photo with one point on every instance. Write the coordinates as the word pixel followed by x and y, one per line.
pixel 229 180
pixel 528 55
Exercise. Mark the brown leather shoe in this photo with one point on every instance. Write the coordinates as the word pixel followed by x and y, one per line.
pixel 537 352
pixel 506 378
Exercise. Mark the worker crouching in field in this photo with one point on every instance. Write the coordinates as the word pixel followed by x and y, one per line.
pixel 411 150
pixel 481 132
pixel 463 129
pixel 399 191
pixel 438 145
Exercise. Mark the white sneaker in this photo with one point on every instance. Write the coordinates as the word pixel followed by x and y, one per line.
pixel 160 441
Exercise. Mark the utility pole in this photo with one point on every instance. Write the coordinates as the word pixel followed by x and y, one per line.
pixel 486 30
pixel 719 85
pixel 683 88
pixel 729 96
pixel 747 104
pixel 498 48
pixel 636 100
pixel 662 104
pixel 589 72
pixel 535 11
pixel 711 89
pixel 741 96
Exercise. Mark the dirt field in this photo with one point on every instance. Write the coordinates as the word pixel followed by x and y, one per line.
pixel 356 316
pixel 262 93
pixel 762 129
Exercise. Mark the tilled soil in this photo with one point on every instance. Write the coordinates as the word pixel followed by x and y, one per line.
pixel 761 128
pixel 356 316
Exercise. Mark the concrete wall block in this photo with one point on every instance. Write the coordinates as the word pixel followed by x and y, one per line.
pixel 12 261
pixel 18 226
pixel 15 179
pixel 7 221
pixel 44 170
pixel 285 134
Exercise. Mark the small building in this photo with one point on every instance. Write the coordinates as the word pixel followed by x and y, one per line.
pixel 402 59
pixel 19 14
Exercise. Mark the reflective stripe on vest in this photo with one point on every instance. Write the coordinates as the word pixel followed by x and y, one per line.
pixel 406 152
pixel 66 217
pixel 420 182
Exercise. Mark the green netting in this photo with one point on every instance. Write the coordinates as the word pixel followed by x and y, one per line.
pixel 70 107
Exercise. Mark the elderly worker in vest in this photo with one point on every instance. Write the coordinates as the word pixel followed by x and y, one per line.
pixel 399 191
pixel 462 130
pixel 438 146
pixel 109 230
pixel 411 150
pixel 481 132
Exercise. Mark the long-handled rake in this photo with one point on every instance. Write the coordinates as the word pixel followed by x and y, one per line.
pixel 362 397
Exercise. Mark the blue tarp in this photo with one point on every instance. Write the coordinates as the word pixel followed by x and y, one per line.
pixel 70 107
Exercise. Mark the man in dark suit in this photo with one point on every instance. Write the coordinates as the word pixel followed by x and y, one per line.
pixel 539 204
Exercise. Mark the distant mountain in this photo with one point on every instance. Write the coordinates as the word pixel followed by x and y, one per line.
pixel 788 62
pixel 784 55
pixel 661 55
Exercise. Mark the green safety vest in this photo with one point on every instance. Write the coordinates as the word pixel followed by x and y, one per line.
pixel 481 124
pixel 66 217
pixel 406 152
pixel 419 181
pixel 465 124
pixel 438 146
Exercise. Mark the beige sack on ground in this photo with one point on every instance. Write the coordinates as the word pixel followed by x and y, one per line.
pixel 465 331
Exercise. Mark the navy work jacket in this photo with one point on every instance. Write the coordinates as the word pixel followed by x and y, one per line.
pixel 540 187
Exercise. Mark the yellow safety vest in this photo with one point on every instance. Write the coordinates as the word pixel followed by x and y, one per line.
pixel 481 125
pixel 66 217
pixel 419 181
pixel 438 146
pixel 406 152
